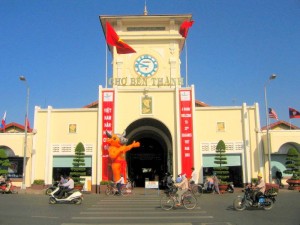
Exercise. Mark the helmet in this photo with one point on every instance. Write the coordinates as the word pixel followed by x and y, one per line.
pixel 259 174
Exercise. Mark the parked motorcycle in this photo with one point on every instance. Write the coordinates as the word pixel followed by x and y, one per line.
pixel 51 188
pixel 206 188
pixel 230 188
pixel 8 188
pixel 265 201
pixel 73 196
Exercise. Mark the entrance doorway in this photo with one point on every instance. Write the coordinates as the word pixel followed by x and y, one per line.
pixel 154 156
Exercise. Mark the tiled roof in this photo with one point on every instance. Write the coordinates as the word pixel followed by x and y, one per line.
pixel 15 128
pixel 281 124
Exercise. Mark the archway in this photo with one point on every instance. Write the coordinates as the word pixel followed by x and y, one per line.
pixel 154 157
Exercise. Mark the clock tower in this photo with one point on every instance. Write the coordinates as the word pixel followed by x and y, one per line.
pixel 158 45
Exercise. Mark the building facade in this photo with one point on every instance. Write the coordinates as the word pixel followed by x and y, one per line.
pixel 148 97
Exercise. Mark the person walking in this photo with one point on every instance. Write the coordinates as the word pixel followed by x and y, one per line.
pixel 216 184
pixel 194 176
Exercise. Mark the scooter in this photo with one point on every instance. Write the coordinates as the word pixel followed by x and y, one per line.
pixel 51 188
pixel 8 188
pixel 266 201
pixel 73 196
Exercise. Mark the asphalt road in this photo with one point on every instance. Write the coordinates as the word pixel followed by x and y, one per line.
pixel 144 209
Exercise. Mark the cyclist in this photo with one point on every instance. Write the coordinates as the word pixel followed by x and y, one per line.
pixel 119 183
pixel 183 186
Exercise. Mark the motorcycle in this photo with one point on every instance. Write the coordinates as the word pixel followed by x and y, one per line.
pixel 265 201
pixel 51 188
pixel 8 188
pixel 230 188
pixel 73 196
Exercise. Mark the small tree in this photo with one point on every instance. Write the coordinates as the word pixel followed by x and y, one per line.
pixel 221 171
pixel 78 168
pixel 292 163
pixel 4 162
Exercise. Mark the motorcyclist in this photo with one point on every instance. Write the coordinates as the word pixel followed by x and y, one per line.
pixel 258 189
pixel 66 187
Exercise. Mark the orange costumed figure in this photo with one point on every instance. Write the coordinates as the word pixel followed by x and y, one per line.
pixel 116 151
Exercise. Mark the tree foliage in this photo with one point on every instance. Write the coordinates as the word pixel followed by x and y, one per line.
pixel 221 159
pixel 4 162
pixel 78 168
pixel 292 163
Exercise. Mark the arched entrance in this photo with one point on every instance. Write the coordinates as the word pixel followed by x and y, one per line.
pixel 154 157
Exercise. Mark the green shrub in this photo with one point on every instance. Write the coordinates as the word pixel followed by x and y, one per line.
pixel 39 182
pixel 78 168
pixel 221 171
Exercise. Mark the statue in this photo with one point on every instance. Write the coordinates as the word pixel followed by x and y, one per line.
pixel 116 151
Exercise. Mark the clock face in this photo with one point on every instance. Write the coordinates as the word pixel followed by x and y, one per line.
pixel 146 65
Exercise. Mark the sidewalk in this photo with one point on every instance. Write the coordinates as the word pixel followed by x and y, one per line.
pixel 137 190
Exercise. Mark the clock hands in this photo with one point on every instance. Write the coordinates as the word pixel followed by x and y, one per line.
pixel 143 65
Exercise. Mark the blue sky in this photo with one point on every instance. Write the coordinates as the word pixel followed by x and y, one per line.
pixel 233 48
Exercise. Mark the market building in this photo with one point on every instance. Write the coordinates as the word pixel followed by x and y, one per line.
pixel 148 97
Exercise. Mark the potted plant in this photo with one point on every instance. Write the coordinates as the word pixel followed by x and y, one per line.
pixel 78 168
pixel 292 167
pixel 103 185
pixel 38 184
pixel 221 171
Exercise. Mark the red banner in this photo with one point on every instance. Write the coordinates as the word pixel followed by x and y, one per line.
pixel 186 130
pixel 107 125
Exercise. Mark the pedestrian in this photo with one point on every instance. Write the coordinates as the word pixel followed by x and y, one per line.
pixel 194 176
pixel 279 177
pixel 216 184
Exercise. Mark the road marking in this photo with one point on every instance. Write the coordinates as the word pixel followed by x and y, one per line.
pixel 126 224
pixel 140 213
pixel 137 218
pixel 46 217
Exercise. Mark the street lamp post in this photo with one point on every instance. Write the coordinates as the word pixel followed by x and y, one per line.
pixel 272 77
pixel 22 78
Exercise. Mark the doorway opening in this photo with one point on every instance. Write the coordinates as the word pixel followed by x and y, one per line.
pixel 154 156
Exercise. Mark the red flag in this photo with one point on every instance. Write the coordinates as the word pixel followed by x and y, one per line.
pixel 272 114
pixel 27 122
pixel 294 113
pixel 184 28
pixel 113 39
pixel 3 122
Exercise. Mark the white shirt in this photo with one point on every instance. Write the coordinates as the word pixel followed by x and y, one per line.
pixel 121 180
pixel 194 176
pixel 69 184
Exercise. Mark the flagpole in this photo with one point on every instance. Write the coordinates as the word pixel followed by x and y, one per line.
pixel 105 65
pixel 186 69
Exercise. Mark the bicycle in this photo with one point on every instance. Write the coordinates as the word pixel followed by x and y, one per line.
pixel 169 200
pixel 111 189
pixel 126 189
pixel 196 189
